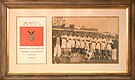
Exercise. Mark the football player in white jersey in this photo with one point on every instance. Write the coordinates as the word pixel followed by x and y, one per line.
pixel 69 43
pixel 93 45
pixel 103 47
pixel 82 44
pixel 87 41
pixel 64 43
pixel 73 43
pixel 78 44
pixel 98 46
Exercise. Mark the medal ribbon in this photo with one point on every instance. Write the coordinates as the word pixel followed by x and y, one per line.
pixel 31 33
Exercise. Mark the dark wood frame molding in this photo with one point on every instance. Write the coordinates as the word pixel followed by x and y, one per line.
pixel 4 4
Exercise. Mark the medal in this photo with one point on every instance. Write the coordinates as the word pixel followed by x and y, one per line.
pixel 31 37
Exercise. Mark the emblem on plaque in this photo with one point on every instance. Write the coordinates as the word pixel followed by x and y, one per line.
pixel 31 37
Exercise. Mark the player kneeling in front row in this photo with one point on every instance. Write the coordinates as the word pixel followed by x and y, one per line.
pixel 89 54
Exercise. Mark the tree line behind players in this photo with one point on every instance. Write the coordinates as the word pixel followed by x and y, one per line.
pixel 95 45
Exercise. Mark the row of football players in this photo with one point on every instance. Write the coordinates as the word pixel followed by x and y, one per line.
pixel 94 46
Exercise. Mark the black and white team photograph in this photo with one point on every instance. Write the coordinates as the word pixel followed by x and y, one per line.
pixel 85 39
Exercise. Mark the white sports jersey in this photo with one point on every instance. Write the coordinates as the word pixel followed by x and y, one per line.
pixel 78 42
pixel 64 41
pixel 90 54
pixel 69 43
pixel 109 42
pixel 98 46
pixel 98 42
pixel 103 44
pixel 93 44
pixel 87 45
pixel 73 41
pixel 82 44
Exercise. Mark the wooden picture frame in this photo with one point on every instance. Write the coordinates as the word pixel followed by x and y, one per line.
pixel 70 4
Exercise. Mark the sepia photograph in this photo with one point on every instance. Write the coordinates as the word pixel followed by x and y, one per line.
pixel 85 39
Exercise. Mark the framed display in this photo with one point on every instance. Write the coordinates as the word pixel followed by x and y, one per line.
pixel 67 39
